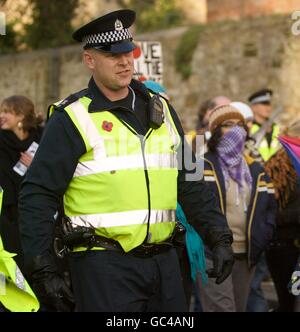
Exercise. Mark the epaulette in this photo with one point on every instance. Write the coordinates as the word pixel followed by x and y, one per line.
pixel 71 99
pixel 60 105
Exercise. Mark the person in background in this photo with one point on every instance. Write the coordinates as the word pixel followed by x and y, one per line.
pixel 20 128
pixel 15 293
pixel 204 112
pixel 249 117
pixel 244 194
pixel 261 104
pixel 246 112
pixel 285 245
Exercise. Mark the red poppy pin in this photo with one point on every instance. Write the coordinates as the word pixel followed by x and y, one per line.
pixel 107 126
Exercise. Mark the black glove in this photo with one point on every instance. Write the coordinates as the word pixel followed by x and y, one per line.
pixel 49 287
pixel 219 241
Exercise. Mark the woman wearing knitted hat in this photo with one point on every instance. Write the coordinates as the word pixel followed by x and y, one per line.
pixel 245 195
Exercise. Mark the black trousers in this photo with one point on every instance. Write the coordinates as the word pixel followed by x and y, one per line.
pixel 186 278
pixel 281 262
pixel 115 282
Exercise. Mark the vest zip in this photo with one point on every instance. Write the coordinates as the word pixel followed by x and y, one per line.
pixel 148 187
pixel 128 127
pixel 143 141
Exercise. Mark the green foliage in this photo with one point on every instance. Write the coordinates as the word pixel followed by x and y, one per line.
pixel 51 25
pixel 154 14
pixel 8 42
pixel 185 50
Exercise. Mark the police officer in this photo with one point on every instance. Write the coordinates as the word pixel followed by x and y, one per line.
pixel 15 293
pixel 112 151
pixel 262 108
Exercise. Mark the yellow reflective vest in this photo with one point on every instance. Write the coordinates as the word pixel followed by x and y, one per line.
pixel 264 149
pixel 15 293
pixel 124 181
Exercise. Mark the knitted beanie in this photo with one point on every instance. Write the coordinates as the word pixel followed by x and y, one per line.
pixel 223 113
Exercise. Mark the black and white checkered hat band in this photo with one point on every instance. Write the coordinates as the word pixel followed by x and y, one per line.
pixel 261 99
pixel 108 37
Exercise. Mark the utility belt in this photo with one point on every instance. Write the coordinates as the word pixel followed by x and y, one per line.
pixel 80 236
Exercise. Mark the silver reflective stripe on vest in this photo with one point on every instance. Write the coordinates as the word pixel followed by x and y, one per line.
pixel 20 280
pixel 125 218
pixel 135 161
pixel 102 163
pixel 172 132
pixel 161 160
pixel 264 144
pixel 88 126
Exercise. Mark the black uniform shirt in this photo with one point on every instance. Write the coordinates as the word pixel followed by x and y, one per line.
pixel 56 159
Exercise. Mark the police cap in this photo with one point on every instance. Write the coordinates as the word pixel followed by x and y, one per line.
pixel 262 96
pixel 108 33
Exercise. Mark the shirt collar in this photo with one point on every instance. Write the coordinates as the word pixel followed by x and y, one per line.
pixel 101 103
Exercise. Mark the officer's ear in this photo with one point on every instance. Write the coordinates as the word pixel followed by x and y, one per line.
pixel 88 58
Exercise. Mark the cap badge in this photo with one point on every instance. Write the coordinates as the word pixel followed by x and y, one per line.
pixel 118 25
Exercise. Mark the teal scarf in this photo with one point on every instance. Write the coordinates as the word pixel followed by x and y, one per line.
pixel 194 246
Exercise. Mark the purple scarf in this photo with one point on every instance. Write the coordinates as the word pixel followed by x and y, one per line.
pixel 230 155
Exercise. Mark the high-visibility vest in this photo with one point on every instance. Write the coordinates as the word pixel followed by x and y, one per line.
pixel 15 293
pixel 264 149
pixel 124 181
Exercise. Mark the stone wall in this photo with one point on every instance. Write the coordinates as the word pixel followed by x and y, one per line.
pixel 231 58
pixel 236 59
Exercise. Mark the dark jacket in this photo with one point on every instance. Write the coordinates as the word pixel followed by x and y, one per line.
pixel 10 181
pixel 10 152
pixel 288 219
pixel 262 207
